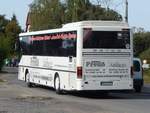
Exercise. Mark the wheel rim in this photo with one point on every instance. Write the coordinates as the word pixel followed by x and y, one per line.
pixel 57 83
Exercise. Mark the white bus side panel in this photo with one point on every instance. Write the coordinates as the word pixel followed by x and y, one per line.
pixel 43 70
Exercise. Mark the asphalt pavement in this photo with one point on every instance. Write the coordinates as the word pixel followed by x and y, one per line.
pixel 16 97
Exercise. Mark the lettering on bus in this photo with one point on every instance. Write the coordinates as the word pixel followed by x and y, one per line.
pixel 117 64
pixel 116 71
pixel 95 64
pixel 56 36
pixel 38 75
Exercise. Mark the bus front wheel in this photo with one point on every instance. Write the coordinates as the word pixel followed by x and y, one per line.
pixel 29 84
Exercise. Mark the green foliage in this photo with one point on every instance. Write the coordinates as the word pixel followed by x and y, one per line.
pixel 77 10
pixel 111 15
pixel 142 50
pixel 147 76
pixel 48 14
pixel 142 46
pixel 146 55
pixel 141 42
pixel 3 23
pixel 9 30
pixel 2 56
pixel 4 49
pixel 12 30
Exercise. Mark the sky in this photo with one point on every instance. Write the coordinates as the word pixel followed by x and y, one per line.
pixel 139 11
pixel 18 7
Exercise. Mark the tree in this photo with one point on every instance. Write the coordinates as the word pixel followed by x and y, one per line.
pixel 141 42
pixel 48 14
pixel 3 23
pixel 111 15
pixel 12 31
pixel 77 10
pixel 105 3
pixel 145 55
pixel 8 35
pixel 3 42
pixel 4 48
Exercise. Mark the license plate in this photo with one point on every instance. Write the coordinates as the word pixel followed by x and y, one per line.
pixel 106 83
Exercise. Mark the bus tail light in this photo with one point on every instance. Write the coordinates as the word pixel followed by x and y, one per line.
pixel 132 73
pixel 79 72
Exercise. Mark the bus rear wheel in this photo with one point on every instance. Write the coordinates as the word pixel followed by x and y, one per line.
pixel 57 85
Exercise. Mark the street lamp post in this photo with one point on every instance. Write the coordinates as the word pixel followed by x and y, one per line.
pixel 126 10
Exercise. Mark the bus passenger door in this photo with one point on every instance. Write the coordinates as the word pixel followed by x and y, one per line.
pixel 72 74
pixel 71 63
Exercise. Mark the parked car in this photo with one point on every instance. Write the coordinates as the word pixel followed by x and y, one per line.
pixel 138 75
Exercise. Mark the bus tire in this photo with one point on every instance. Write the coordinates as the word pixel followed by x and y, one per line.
pixel 57 85
pixel 29 84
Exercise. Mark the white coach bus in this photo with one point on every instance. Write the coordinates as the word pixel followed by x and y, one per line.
pixel 86 55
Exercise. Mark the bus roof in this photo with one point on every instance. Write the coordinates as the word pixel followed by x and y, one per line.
pixel 75 25
pixel 96 23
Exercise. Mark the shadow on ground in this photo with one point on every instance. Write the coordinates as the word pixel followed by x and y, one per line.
pixel 103 95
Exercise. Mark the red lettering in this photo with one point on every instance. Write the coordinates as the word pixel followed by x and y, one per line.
pixel 54 37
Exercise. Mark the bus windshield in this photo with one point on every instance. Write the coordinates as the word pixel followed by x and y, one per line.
pixel 106 39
